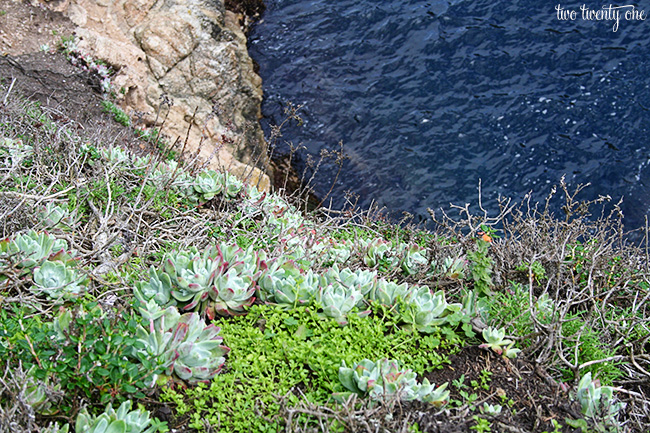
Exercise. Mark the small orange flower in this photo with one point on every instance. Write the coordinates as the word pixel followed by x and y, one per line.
pixel 485 236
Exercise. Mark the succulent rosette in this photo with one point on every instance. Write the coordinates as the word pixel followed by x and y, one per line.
pixel 385 378
pixel 231 294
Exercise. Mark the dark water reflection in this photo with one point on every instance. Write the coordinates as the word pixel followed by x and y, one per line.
pixel 428 97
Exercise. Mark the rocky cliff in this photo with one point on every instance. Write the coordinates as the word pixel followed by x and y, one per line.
pixel 193 52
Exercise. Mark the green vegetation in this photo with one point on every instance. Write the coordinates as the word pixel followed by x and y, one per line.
pixel 118 114
pixel 143 282
pixel 275 352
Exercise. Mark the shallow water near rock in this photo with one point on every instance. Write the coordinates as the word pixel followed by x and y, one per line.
pixel 428 97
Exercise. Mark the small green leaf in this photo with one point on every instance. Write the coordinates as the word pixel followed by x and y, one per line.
pixel 129 388
pixel 117 426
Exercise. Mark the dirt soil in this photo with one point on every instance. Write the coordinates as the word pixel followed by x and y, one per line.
pixel 25 28
pixel 69 93
pixel 529 400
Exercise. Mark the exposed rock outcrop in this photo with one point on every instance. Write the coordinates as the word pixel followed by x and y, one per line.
pixel 192 52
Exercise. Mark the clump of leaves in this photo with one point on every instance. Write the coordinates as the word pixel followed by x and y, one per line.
pixel 92 348
pixel 384 378
pixel 122 420
pixel 118 114
pixel 495 340
pixel 274 351
pixel 480 266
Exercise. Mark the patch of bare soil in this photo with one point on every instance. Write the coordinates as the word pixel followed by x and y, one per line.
pixel 24 27
pixel 529 402
pixel 70 94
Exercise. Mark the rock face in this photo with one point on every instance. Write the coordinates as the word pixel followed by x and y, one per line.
pixel 192 53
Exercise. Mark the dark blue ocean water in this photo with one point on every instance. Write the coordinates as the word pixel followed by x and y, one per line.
pixel 428 97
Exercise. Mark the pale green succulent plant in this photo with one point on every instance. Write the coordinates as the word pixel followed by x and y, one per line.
pixel 218 280
pixel 365 281
pixel 200 352
pixel 384 378
pixel 14 151
pixel 598 402
pixel 288 285
pixel 159 288
pixel 57 280
pixel 426 310
pixel 373 251
pixel 495 340
pixel 61 323
pixel 182 344
pixel 31 249
pixel 453 268
pixel 360 379
pixel 337 301
pixel 41 394
pixel 474 305
pixel 209 184
pixel 389 293
pixel 413 259
pixel 192 275
pixel 361 280
pixel 281 217
pixel 124 420
pixel 54 216
pixel 329 250
pixel 115 154
pixel 231 294
pixel 232 186
pixel 246 261
pixel 275 271
pixel 491 409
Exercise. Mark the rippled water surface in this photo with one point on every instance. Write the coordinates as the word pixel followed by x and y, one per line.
pixel 428 97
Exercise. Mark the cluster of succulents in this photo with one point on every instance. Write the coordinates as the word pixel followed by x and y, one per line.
pixel 363 281
pixel 13 151
pixel 453 268
pixel 231 293
pixel 41 394
pixel 122 420
pixel 495 340
pixel 58 280
pixel 339 291
pixel 374 250
pixel 115 154
pixel 598 402
pixel 209 184
pixel 53 216
pixel 53 269
pixel 32 249
pixel 384 379
pixel 425 310
pixel 413 258
pixel 85 61
pixel 170 174
pixel 115 421
pixel 287 285
pixel 220 280
pixel 337 301
pixel 181 343
pixel 410 257
pixel 389 293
